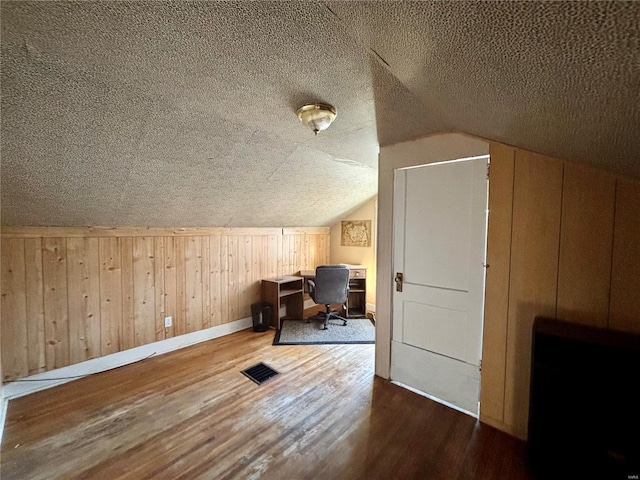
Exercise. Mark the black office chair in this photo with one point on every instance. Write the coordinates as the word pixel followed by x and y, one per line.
pixel 331 285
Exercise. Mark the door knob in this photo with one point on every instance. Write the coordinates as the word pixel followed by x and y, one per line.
pixel 399 279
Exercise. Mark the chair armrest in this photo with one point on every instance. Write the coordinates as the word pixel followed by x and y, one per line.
pixel 311 286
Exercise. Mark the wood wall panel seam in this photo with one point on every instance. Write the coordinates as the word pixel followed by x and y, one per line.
pixel 562 193
pixel 170 285
pixel 586 244
pixel 35 305
pixel 127 335
pixel 508 276
pixel 160 285
pixel 625 308
pixel 506 339
pixel 497 282
pixel 533 288
pixel 613 249
pixel 206 281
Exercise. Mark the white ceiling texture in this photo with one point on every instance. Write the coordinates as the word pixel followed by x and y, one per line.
pixel 182 114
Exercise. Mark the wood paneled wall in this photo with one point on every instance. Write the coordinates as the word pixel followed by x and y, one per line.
pixel 563 241
pixel 72 294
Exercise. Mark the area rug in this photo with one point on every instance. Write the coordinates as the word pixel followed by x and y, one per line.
pixel 299 332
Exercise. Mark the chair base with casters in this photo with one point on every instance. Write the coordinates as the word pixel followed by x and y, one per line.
pixel 328 315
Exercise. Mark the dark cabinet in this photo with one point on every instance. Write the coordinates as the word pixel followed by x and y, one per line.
pixel 584 414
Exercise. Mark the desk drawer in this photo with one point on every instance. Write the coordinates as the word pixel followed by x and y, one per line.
pixel 358 273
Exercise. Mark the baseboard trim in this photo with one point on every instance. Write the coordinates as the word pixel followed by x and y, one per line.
pixel 52 378
pixel 497 424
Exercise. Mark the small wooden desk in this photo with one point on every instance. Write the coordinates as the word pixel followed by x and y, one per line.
pixel 357 297
pixel 287 290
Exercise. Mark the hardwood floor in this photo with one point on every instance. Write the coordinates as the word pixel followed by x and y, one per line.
pixel 190 414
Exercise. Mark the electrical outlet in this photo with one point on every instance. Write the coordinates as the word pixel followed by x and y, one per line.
pixel 167 322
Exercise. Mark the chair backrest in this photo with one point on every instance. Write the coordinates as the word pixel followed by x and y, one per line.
pixel 332 284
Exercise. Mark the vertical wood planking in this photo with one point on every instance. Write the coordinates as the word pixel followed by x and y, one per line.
pixel 305 248
pixel 298 256
pixel 83 277
pixel 293 256
pixel 327 248
pixel 586 245
pixel 143 296
pixel 264 263
pixel 272 256
pixel 287 254
pixel 537 196
pixel 86 296
pixel 624 311
pixel 76 256
pixel 319 249
pixel 181 326
pixel 280 256
pixel 94 321
pixel 264 260
pixel 110 294
pixel 127 320
pixel 256 267
pixel 323 249
pixel 244 276
pixel 233 265
pixel 206 282
pixel 318 258
pixel 224 280
pixel 170 285
pixel 314 254
pixel 193 283
pixel 496 308
pixel 241 276
pixel 35 305
pixel 15 346
pixel 159 293
pixel 215 280
pixel 54 271
pixel 313 249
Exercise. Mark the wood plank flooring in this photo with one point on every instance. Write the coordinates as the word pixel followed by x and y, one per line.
pixel 190 414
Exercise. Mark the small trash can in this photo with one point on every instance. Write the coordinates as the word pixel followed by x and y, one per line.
pixel 261 313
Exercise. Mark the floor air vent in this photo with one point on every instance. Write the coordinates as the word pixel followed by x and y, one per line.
pixel 259 373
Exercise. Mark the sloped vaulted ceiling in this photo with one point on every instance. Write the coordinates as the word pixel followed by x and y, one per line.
pixel 183 113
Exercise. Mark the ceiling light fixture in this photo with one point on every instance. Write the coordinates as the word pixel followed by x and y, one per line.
pixel 316 116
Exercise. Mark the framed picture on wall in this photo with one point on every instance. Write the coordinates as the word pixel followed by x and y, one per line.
pixel 356 233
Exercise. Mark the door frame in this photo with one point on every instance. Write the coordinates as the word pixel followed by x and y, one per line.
pixel 423 151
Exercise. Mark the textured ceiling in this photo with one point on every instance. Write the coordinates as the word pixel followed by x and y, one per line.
pixel 183 114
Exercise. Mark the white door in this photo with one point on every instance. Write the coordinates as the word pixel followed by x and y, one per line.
pixel 440 218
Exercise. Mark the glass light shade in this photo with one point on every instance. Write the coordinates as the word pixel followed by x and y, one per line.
pixel 316 116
